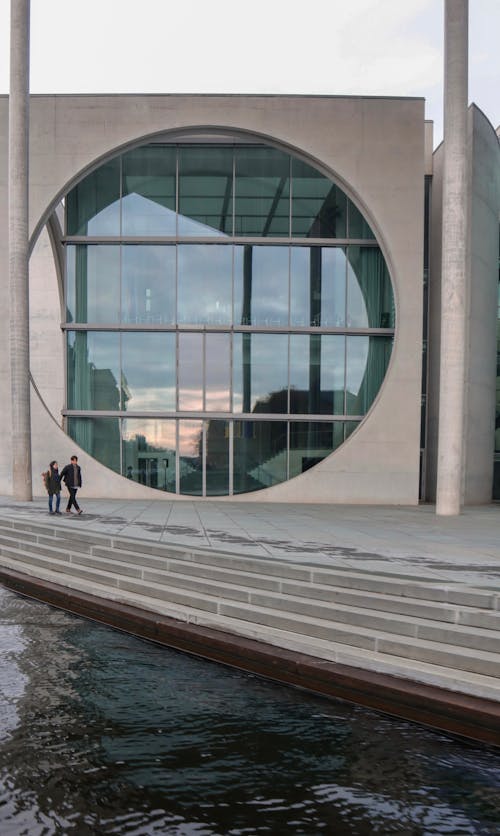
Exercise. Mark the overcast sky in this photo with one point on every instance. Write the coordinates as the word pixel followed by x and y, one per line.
pixel 333 47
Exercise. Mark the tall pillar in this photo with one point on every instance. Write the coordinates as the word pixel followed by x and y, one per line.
pixel 19 248
pixel 450 477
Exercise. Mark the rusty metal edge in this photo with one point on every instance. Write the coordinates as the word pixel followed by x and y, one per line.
pixel 474 718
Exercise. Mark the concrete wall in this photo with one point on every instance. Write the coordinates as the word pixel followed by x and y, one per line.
pixel 375 148
pixel 482 308
pixel 480 379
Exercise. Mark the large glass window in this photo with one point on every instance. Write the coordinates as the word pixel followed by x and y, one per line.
pixel 205 284
pixel 319 207
pixel 148 191
pixel 148 371
pixel 93 206
pixel 205 190
pixel 148 284
pixel 93 359
pixel 93 283
pixel 149 452
pixel 220 366
pixel 262 192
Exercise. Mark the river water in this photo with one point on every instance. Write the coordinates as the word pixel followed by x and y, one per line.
pixel 102 733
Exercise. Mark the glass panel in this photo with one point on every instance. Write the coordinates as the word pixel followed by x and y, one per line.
pixel 217 458
pixel 262 203
pixel 260 454
pixel 319 208
pixel 149 452
pixel 261 285
pixel 93 359
pixel 190 372
pixel 191 457
pixel 260 373
pixel 204 286
pixel 206 190
pixel 350 426
pixel 318 286
pixel 316 374
pixel 358 227
pixel 148 284
pixel 93 206
pixel 367 361
pixel 148 187
pixel 370 297
pixel 217 372
pixel 100 437
pixel 310 442
pixel 93 283
pixel 148 371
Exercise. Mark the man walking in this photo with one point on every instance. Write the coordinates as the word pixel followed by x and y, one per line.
pixel 71 475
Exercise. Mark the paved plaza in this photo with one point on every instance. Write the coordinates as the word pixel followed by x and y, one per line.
pixel 409 541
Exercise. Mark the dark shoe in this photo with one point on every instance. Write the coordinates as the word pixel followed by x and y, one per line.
pixel 52 512
pixel 58 513
pixel 80 511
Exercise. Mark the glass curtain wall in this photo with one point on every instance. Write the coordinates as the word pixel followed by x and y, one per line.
pixel 230 322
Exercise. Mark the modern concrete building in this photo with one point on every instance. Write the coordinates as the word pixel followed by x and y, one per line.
pixel 239 296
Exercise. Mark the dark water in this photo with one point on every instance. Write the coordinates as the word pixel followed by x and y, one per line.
pixel 102 733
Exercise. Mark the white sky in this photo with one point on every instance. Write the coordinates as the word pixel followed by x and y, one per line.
pixel 333 47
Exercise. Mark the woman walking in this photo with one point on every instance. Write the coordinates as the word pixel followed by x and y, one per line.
pixel 52 482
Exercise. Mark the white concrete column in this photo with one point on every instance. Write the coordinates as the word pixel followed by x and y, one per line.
pixel 450 475
pixel 19 248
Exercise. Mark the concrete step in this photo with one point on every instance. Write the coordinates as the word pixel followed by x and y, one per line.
pixel 392 593
pixel 204 576
pixel 384 633
pixel 421 622
pixel 453 679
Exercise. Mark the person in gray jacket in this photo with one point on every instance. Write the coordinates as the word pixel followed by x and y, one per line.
pixel 71 475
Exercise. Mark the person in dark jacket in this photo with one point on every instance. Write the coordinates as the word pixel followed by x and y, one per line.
pixel 52 482
pixel 71 475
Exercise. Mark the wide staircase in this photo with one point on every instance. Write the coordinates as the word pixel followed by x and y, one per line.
pixel 424 631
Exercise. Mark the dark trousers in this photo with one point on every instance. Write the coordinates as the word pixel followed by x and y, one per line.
pixel 72 499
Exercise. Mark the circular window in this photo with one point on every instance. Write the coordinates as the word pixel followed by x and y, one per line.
pixel 229 316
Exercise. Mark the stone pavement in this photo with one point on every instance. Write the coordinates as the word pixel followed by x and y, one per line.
pixel 408 541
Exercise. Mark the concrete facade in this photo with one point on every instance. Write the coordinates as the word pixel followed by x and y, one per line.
pixel 483 179
pixel 374 148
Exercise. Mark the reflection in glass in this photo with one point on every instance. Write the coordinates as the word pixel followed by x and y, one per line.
pixel 371 300
pixel 190 449
pixel 149 452
pixel 93 362
pixel 310 442
pixel 190 372
pixel 358 226
pixel 148 284
pixel 260 454
pixel 319 207
pixel 93 283
pixel 217 458
pixel 262 192
pixel 367 361
pixel 217 372
pixel 204 285
pixel 239 300
pixel 260 373
pixel 261 285
pixel 148 191
pixel 316 374
pixel 93 205
pixel 99 437
pixel 148 371
pixel 206 190
pixel 317 286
